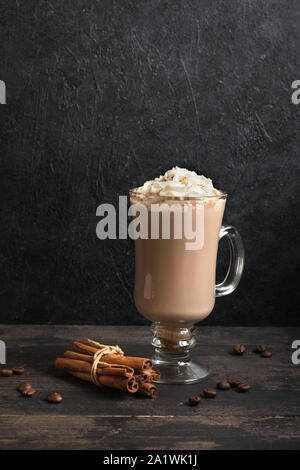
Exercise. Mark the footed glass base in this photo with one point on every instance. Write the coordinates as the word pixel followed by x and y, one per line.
pixel 178 370
pixel 173 343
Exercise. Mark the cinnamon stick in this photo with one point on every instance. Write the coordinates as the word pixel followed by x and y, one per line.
pixel 155 375
pixel 90 359
pixel 83 366
pixel 130 374
pixel 127 384
pixel 147 375
pixel 141 378
pixel 148 389
pixel 134 362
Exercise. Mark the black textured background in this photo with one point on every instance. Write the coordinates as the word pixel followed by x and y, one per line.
pixel 103 95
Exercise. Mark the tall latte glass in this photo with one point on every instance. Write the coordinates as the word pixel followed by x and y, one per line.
pixel 175 274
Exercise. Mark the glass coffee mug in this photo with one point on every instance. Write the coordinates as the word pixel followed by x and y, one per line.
pixel 175 286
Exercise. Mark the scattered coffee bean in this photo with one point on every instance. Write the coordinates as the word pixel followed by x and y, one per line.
pixel 266 354
pixel 260 348
pixel 239 349
pixel 26 389
pixel 18 370
pixel 234 383
pixel 244 387
pixel 24 386
pixel 209 393
pixel 193 401
pixel 28 392
pixel 6 372
pixel 54 398
pixel 223 385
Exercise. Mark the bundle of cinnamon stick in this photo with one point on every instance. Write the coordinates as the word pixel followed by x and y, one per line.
pixel 130 374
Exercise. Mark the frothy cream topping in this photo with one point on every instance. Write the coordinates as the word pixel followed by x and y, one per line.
pixel 179 182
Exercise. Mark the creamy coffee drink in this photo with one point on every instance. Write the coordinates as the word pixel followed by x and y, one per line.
pixel 173 283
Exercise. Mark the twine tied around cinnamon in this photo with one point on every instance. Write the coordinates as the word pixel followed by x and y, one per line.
pixel 103 350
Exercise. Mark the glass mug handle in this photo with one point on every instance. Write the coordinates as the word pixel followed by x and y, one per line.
pixel 236 264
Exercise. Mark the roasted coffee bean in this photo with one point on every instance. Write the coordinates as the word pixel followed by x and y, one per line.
pixel 28 392
pixel 244 387
pixel 209 393
pixel 234 383
pixel 6 372
pixel 18 370
pixel 54 398
pixel 223 385
pixel 260 348
pixel 266 354
pixel 239 349
pixel 24 386
pixel 26 389
pixel 193 401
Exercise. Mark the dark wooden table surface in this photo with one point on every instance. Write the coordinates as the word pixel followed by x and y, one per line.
pixel 268 417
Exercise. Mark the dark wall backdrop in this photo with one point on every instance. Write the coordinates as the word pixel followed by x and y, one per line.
pixel 102 95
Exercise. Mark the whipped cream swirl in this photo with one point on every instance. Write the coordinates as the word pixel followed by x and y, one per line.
pixel 179 182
